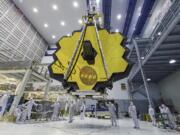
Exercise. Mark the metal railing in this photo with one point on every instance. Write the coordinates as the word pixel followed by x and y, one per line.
pixel 161 27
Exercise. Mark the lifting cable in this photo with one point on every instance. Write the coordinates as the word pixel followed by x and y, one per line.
pixel 101 50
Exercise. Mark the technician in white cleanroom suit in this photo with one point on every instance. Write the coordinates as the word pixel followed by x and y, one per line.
pixel 66 107
pixel 24 113
pixel 71 111
pixel 133 114
pixel 3 103
pixel 56 110
pixel 164 115
pixel 112 111
pixel 82 111
pixel 29 106
pixel 152 115
pixel 161 109
pixel 18 113
pixel 171 120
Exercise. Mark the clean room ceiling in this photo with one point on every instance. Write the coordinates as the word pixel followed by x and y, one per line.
pixel 56 18
pixel 53 18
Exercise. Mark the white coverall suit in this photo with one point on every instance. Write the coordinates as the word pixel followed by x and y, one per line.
pixel 163 113
pixel 56 110
pixel 82 111
pixel 152 115
pixel 71 111
pixel 171 120
pixel 112 111
pixel 29 106
pixel 3 103
pixel 17 113
pixel 24 113
pixel 133 114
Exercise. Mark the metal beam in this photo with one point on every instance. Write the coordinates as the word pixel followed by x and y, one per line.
pixel 107 4
pixel 40 76
pixel 12 71
pixel 142 72
pixel 46 90
pixel 130 12
pixel 20 90
pixel 156 72
pixel 164 57
pixel 159 63
pixel 169 45
pixel 131 51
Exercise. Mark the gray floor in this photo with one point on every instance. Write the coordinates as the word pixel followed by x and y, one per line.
pixel 82 127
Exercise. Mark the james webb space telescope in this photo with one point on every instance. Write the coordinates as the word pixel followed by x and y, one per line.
pixel 90 59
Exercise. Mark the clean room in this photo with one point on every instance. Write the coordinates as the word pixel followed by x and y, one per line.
pixel 88 67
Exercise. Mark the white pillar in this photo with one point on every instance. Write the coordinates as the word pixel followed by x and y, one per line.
pixel 46 90
pixel 20 90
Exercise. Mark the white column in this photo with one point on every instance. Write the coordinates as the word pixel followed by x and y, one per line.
pixel 20 90
pixel 46 90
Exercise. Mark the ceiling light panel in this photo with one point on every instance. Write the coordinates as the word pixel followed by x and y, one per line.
pixel 116 30
pixel 53 36
pixel 46 25
pixel 35 10
pixel 52 13
pixel 75 4
pixel 172 61
pixel 80 21
pixel 55 7
pixel 119 16
pixel 63 23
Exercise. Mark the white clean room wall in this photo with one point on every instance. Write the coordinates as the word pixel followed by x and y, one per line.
pixel 170 89
pixel 117 92
pixel 19 40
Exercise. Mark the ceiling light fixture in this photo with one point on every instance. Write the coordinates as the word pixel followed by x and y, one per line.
pixel 172 61
pixel 100 19
pixel 46 25
pixel 54 7
pixel 142 58
pixel 148 79
pixel 63 23
pixel 116 30
pixel 119 16
pixel 75 4
pixel 159 33
pixel 35 10
pixel 53 36
pixel 80 21
pixel 98 1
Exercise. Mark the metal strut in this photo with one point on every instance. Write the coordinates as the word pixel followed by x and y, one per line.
pixel 142 72
pixel 70 67
pixel 101 50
